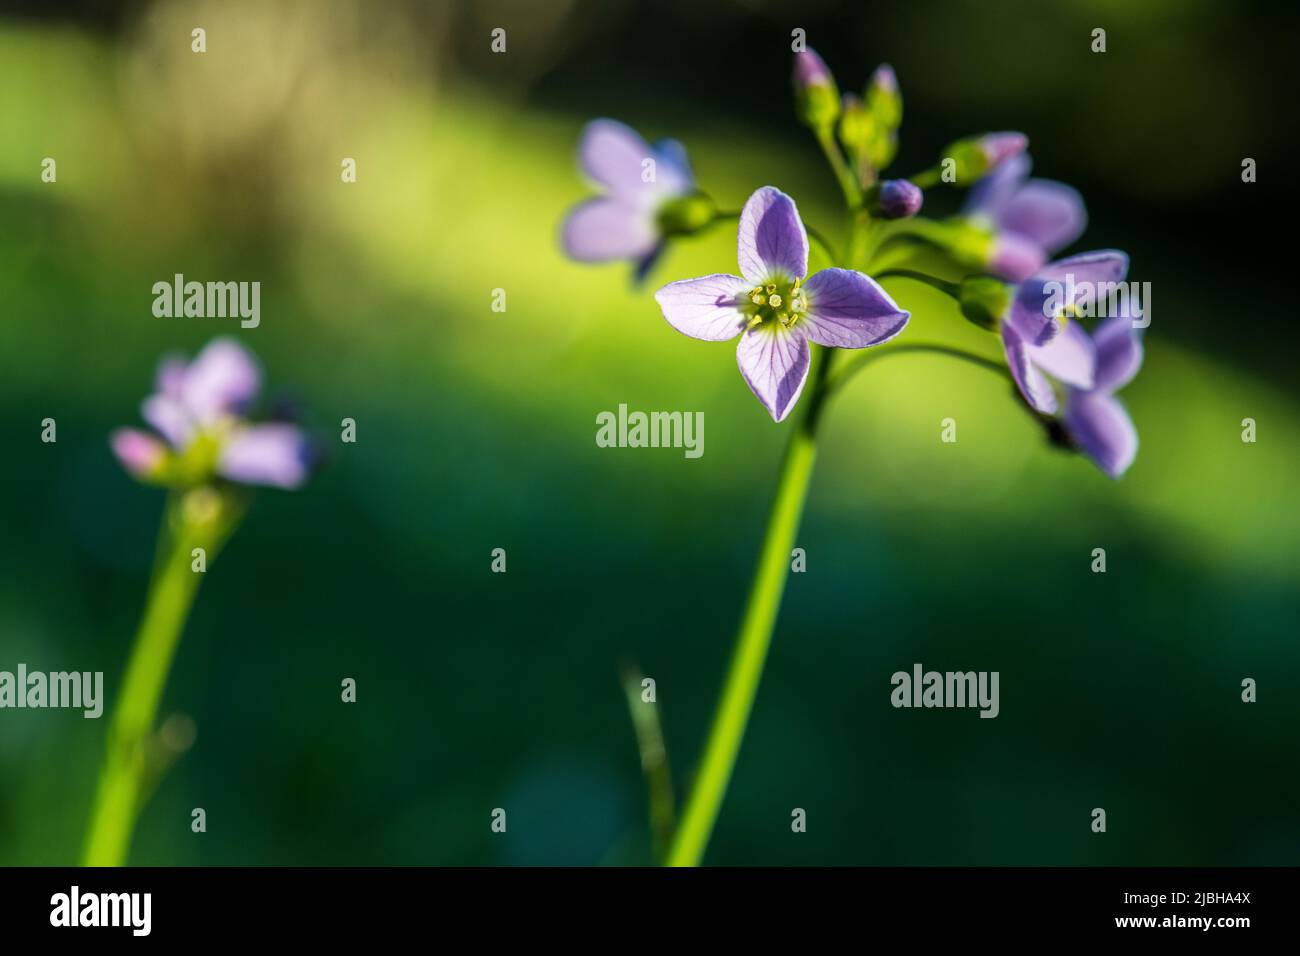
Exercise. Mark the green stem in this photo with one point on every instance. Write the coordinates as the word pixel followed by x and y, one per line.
pixel 827 249
pixel 851 368
pixel 127 770
pixel 654 761
pixel 847 180
pixel 755 635
pixel 952 289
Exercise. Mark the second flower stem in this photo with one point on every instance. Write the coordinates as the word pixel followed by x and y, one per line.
pixel 755 635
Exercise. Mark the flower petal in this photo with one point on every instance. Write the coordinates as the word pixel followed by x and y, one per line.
pixel 1052 214
pixel 705 308
pixel 612 153
pixel 1033 386
pixel 990 195
pixel 139 452
pixel 169 418
pixel 673 167
pixel 771 241
pixel 1119 353
pixel 1074 280
pixel 774 361
pixel 1070 357
pixel 171 376
pixel 603 229
pixel 274 454
pixel 1015 258
pixel 849 310
pixel 1103 429
pixel 223 379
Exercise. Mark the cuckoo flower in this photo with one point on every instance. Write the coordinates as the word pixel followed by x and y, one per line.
pixel 1089 368
pixel 640 208
pixel 198 410
pixel 1030 218
pixel 773 310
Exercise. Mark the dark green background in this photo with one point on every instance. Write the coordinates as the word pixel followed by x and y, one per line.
pixel 476 431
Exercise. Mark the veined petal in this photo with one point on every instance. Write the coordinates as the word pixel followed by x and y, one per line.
pixel 606 228
pixel 774 361
pixel 771 241
pixel 224 378
pixel 169 418
pixel 705 308
pixel 1036 389
pixel 849 310
pixel 1071 357
pixel 139 452
pixel 275 454
pixel 1052 214
pixel 1119 353
pixel 1103 429
pixel 1073 281
pixel 612 153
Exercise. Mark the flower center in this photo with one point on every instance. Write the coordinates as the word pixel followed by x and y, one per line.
pixel 775 302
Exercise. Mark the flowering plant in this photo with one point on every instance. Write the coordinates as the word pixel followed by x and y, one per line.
pixel 796 331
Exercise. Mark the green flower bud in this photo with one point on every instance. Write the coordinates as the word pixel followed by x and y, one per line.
pixel 984 300
pixel 686 214
pixel 816 97
pixel 884 108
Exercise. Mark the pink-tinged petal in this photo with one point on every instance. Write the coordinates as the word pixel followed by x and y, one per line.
pixel 1119 353
pixel 613 154
pixel 139 452
pixel 604 229
pixel 1036 389
pixel 771 241
pixel 1103 429
pixel 849 310
pixel 1074 281
pixel 171 376
pixel 275 454
pixel 706 308
pixel 1001 147
pixel 1015 258
pixel 774 361
pixel 1052 214
pixel 169 417
pixel 223 379
pixel 1071 357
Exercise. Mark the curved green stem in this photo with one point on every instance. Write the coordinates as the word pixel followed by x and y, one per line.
pixel 852 367
pixel 847 180
pixel 190 521
pixel 755 635
pixel 952 289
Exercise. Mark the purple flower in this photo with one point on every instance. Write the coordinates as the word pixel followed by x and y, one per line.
pixel 625 222
pixel 773 310
pixel 1030 218
pixel 198 410
pixel 899 199
pixel 1090 368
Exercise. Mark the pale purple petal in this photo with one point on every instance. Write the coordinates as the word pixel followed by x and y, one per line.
pixel 1075 280
pixel 604 229
pixel 612 154
pixel 139 452
pixel 1071 357
pixel 990 195
pixel 223 379
pixel 171 376
pixel 674 167
pixel 1015 258
pixel 771 242
pixel 275 454
pixel 1103 429
pixel 774 361
pixel 706 308
pixel 849 310
pixel 169 418
pixel 1052 214
pixel 1036 389
pixel 1119 353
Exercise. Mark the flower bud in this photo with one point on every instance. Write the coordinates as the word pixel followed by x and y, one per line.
pixel 984 300
pixel 817 99
pixel 896 199
pixel 884 106
pixel 855 124
pixel 978 155
pixel 686 214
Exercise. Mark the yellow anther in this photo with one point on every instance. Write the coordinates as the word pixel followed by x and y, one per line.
pixel 756 298
pixel 774 301
pixel 756 320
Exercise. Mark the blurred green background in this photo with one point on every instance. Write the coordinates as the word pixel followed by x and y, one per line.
pixel 476 431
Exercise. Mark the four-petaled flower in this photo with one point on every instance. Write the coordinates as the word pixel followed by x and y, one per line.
pixel 640 180
pixel 199 410
pixel 1090 368
pixel 774 311
pixel 1030 218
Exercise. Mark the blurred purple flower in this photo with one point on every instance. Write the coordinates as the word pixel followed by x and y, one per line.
pixel 1031 218
pixel 773 310
pixel 625 222
pixel 198 409
pixel 1091 368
